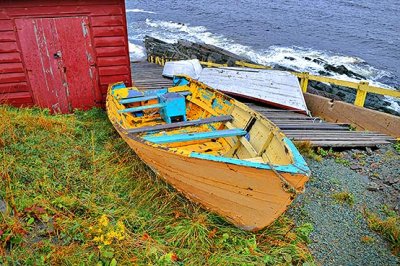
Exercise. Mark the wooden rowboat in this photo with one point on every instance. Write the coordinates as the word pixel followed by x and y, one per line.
pixel 215 150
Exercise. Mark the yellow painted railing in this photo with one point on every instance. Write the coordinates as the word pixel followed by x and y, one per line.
pixel 362 87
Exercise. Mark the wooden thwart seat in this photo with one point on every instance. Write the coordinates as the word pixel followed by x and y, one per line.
pixel 147 98
pixel 141 108
pixel 195 136
pixel 209 120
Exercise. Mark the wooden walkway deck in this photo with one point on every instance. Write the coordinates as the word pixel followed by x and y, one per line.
pixel 297 127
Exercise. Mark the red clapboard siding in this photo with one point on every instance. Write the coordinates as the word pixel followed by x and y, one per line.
pixel 107 21
pixel 105 80
pixel 104 89
pixel 18 98
pixel 6 25
pixel 47 3
pixel 111 51
pixel 7 36
pixel 113 70
pixel 11 68
pixel 108 31
pixel 113 61
pixel 66 10
pixel 10 57
pixel 13 87
pixel 12 77
pixel 6 47
pixel 109 41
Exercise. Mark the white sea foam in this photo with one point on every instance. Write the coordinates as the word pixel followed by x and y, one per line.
pixel 136 52
pixel 136 10
pixel 298 58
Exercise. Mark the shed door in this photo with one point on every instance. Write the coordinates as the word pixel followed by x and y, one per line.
pixel 58 56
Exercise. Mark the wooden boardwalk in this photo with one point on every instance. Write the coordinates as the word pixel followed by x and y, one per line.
pixel 298 127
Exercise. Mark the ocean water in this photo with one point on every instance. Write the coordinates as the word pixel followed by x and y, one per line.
pixel 364 35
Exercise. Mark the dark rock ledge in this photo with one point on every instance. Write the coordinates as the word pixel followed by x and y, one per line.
pixel 184 49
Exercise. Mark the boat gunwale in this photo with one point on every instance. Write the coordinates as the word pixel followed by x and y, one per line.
pixel 298 165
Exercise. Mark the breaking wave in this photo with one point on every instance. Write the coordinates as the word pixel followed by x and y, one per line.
pixel 297 58
pixel 136 10
pixel 136 52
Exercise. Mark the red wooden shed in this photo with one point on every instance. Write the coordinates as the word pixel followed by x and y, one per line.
pixel 62 54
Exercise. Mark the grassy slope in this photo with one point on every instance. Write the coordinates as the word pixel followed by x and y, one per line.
pixel 72 192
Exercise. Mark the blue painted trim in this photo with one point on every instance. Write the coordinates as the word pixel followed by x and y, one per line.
pixel 195 136
pixel 179 81
pixel 118 86
pixel 140 108
pixel 138 99
pixel 146 98
pixel 299 165
pixel 298 160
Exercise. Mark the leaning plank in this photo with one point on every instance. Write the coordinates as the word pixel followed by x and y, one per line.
pixel 209 120
pixel 195 136
pixel 361 118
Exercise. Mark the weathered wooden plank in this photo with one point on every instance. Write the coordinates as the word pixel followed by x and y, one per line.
pixel 18 98
pixel 11 68
pixel 13 87
pixel 361 118
pixel 141 108
pixel 110 41
pixel 8 47
pixel 114 20
pixel 104 31
pixel 64 9
pixel 13 57
pixel 112 51
pixel 113 61
pixel 6 25
pixel 294 125
pixel 7 36
pixel 362 143
pixel 114 70
pixel 208 120
pixel 106 80
pixel 196 136
pixel 12 77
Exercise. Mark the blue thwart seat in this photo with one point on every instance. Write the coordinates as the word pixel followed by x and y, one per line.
pixel 197 122
pixel 195 136
pixel 147 98
pixel 141 108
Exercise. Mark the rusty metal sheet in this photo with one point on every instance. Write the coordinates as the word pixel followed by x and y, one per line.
pixel 278 88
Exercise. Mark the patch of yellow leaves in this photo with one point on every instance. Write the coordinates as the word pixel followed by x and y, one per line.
pixel 106 233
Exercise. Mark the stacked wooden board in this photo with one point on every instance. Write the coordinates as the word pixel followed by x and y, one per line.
pixel 298 127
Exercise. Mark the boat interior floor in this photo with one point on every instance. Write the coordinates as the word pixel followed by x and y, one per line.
pixel 196 121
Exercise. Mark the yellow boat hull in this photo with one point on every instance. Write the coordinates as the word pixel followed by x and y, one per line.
pixel 249 197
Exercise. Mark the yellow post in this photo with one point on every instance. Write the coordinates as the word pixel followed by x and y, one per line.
pixel 361 93
pixel 304 81
pixel 162 61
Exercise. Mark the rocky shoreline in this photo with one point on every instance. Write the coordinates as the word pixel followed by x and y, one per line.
pixel 183 50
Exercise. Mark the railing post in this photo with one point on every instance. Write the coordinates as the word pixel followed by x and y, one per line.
pixel 304 81
pixel 361 93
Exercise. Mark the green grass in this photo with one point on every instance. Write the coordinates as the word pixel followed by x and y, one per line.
pixel 397 146
pixel 75 194
pixel 387 225
pixel 344 197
